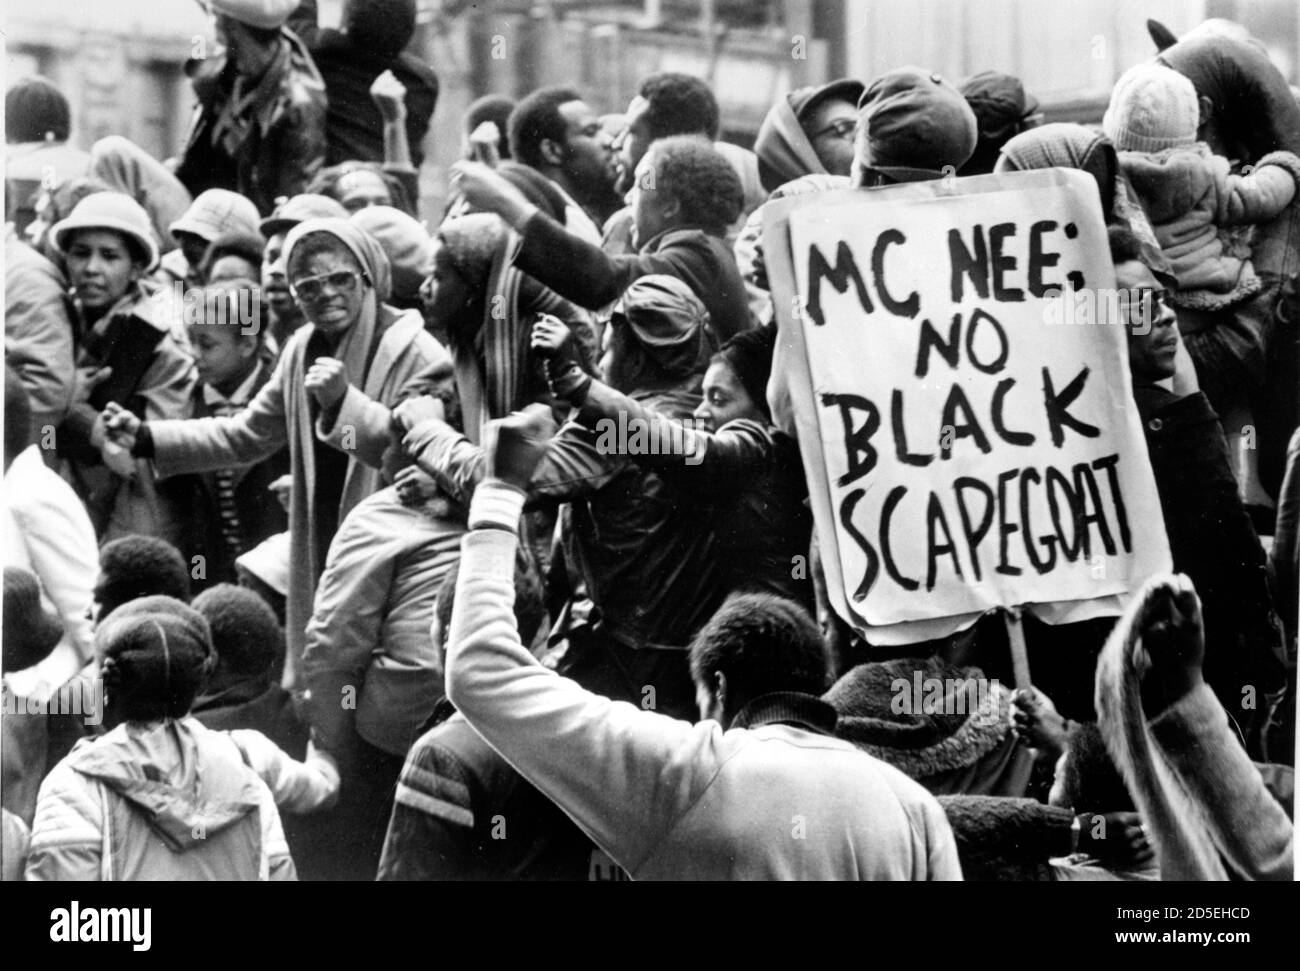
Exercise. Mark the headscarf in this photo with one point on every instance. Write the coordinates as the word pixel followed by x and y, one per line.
pixel 491 363
pixel 1069 146
pixel 783 148
pixel 355 349
pixel 126 167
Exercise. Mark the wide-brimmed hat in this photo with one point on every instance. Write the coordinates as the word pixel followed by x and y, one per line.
pixel 109 210
pixel 298 209
pixel 216 212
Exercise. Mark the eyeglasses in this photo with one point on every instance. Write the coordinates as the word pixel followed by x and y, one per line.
pixel 843 128
pixel 311 287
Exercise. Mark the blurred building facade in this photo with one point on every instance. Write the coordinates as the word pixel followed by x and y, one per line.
pixel 121 61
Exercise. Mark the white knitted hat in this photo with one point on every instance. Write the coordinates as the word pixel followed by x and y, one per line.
pixel 1152 108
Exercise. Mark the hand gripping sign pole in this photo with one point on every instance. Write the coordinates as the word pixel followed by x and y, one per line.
pixel 968 447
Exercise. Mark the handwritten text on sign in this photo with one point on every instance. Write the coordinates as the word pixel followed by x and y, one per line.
pixel 977 455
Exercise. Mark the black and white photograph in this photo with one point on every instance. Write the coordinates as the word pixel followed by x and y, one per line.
pixel 596 441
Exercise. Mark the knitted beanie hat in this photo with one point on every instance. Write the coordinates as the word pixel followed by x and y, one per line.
pixel 921 715
pixel 155 654
pixel 1152 108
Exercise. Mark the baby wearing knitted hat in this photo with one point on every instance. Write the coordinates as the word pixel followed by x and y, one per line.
pixel 1202 212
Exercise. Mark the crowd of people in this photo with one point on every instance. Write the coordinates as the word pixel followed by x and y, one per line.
pixel 318 564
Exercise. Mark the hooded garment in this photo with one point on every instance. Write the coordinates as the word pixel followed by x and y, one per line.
pixel 1069 146
pixel 948 728
pixel 389 357
pixel 167 800
pixel 1250 95
pixel 782 146
pixel 126 167
pixel 495 373
pixel 1204 804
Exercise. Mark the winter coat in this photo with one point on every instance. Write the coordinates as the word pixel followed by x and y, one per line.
pixel 258 511
pixel 646 553
pixel 670 800
pixel 1206 809
pixel 370 628
pixel 1212 540
pixel 748 474
pixel 354 129
pixel 280 415
pixel 1192 198
pixel 153 375
pixel 169 800
pixel 454 791
pixel 39 342
pixel 271 148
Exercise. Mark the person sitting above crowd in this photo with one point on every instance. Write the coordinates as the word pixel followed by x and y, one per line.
pixel 664 798
pixel 372 37
pixel 260 126
pixel 684 197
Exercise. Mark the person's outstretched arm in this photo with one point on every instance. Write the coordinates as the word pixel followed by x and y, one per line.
pixel 623 774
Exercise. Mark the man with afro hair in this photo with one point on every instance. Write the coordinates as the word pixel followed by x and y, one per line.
pixel 758 789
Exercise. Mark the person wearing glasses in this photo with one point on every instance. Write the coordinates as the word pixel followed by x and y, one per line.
pixel 328 400
pixel 1211 538
pixel 809 132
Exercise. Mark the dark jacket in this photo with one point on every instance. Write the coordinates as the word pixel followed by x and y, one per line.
pixel 259 513
pixel 276 147
pixel 581 272
pixel 749 475
pixel 260 707
pixel 462 813
pixel 354 128
pixel 1211 539
pixel 647 552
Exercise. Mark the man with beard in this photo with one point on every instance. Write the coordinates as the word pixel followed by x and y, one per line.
pixel 557 133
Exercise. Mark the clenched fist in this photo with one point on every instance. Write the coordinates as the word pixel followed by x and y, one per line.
pixel 327 381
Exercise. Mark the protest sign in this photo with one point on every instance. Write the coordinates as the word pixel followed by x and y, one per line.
pixel 967 447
